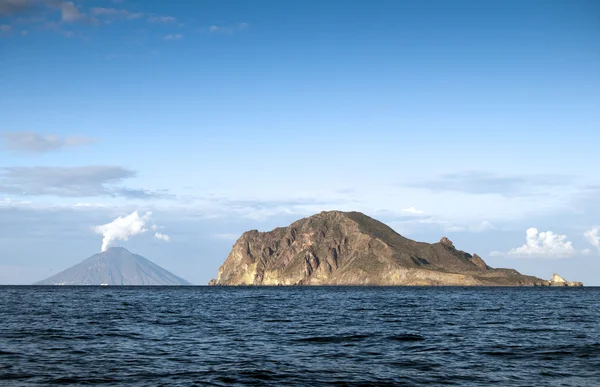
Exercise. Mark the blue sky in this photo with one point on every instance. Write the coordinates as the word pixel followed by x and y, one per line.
pixel 467 119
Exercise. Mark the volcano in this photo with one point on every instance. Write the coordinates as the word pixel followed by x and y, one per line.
pixel 115 266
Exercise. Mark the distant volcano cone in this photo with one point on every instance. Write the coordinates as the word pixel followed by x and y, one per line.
pixel 115 266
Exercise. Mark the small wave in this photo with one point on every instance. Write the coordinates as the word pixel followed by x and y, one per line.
pixel 260 374
pixel 71 380
pixel 333 339
pixel 406 337
pixel 537 330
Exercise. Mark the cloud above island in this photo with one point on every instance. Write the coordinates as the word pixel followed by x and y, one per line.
pixel 412 210
pixel 487 183
pixel 124 227
pixel 544 244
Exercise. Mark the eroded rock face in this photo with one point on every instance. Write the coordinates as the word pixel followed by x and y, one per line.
pixel 350 248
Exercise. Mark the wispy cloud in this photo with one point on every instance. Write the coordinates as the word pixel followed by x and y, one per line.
pixel 89 205
pixel 43 14
pixel 173 37
pixel 70 13
pixel 113 13
pixel 541 245
pixel 482 226
pixel 161 19
pixel 474 182
pixel 36 143
pixel 4 28
pixel 16 7
pixel 71 182
pixel 227 30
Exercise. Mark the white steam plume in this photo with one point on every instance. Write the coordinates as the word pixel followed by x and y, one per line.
pixel 124 227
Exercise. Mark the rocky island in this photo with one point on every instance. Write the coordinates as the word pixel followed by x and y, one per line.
pixel 350 248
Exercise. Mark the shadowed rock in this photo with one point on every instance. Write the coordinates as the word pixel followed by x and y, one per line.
pixel 350 248
pixel 115 266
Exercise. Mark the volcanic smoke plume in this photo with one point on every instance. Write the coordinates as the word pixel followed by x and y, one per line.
pixel 124 227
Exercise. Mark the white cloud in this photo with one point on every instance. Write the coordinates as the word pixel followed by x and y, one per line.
pixel 593 237
pixel 173 37
pixel 586 251
pixel 541 245
pixel 122 228
pixel 412 210
pixel 163 237
pixel 486 183
pixel 5 28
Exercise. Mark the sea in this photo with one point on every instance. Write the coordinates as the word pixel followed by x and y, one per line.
pixel 305 336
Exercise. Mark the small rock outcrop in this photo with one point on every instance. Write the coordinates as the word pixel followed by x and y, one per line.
pixel 350 248
pixel 447 242
pixel 560 281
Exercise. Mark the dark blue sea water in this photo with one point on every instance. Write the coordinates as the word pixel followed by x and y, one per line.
pixel 151 336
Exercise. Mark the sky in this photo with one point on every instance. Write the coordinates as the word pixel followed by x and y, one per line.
pixel 170 128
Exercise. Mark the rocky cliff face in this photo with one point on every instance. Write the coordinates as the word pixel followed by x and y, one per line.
pixel 350 248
